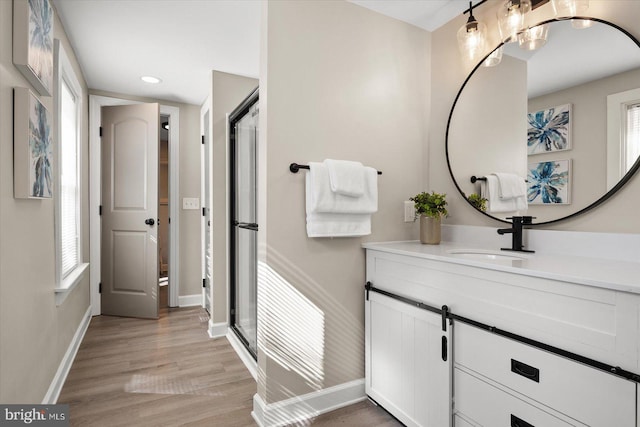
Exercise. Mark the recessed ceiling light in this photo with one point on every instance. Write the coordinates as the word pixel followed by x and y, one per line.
pixel 150 79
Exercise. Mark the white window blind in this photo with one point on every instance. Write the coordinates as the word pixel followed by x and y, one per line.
pixel 632 140
pixel 69 194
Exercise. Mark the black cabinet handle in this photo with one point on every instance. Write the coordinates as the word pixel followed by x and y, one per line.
pixel 444 348
pixel 525 370
pixel 149 221
pixel 517 422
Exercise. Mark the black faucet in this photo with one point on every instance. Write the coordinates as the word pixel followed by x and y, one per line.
pixel 516 233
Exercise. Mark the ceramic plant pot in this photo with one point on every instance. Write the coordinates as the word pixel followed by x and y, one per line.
pixel 430 230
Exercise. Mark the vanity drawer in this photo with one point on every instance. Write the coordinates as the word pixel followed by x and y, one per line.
pixel 589 395
pixel 488 406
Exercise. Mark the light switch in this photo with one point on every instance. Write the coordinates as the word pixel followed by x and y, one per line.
pixel 190 203
pixel 409 211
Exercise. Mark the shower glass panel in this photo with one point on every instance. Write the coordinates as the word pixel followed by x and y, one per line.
pixel 243 124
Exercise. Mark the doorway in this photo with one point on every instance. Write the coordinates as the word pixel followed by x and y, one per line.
pixel 164 252
pixel 96 102
pixel 243 250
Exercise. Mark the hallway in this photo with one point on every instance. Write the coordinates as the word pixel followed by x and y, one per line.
pixel 136 372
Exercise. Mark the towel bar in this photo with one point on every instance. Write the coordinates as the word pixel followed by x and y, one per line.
pixel 294 168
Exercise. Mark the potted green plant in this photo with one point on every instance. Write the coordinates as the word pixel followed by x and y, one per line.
pixel 430 207
pixel 478 202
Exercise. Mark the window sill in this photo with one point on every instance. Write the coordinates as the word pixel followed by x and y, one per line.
pixel 70 282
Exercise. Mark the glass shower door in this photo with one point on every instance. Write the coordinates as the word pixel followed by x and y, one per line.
pixel 243 124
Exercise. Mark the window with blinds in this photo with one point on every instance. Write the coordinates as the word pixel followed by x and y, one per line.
pixel 632 135
pixel 69 191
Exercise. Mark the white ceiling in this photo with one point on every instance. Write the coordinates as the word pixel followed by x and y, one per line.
pixel 181 41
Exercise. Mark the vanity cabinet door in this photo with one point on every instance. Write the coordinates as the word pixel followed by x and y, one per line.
pixel 405 370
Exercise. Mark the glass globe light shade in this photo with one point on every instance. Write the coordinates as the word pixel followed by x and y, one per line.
pixel 581 23
pixel 494 58
pixel 511 18
pixel 472 40
pixel 569 8
pixel 533 38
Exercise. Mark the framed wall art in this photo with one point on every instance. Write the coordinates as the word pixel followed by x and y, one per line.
pixel 33 42
pixel 549 130
pixel 32 147
pixel 549 183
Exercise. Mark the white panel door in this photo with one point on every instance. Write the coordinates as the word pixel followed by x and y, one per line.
pixel 405 368
pixel 130 142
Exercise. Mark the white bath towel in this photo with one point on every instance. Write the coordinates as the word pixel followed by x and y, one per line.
pixel 511 185
pixel 338 225
pixel 320 198
pixel 346 178
pixel 490 190
pixel 334 215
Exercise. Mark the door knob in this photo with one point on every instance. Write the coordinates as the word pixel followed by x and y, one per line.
pixel 149 221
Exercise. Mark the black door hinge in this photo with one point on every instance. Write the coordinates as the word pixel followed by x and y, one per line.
pixel 100 210
pixel 100 131
pixel 203 211
pixel 169 220
pixel 202 139
pixel 100 287
pixel 204 283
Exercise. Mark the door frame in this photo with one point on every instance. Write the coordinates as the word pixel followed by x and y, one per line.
pixel 206 108
pixel 96 102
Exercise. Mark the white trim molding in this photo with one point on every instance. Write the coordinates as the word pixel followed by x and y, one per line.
pixel 299 409
pixel 67 360
pixel 244 355
pixel 217 330
pixel 190 300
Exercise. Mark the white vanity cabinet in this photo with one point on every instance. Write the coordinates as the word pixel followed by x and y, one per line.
pixel 497 380
pixel 406 370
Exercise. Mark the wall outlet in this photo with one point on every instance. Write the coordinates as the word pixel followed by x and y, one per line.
pixel 409 211
pixel 190 203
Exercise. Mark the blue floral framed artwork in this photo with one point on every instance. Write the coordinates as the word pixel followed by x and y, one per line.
pixel 549 183
pixel 549 130
pixel 33 42
pixel 32 147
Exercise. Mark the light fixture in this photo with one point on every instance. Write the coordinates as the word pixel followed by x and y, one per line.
pixel 150 79
pixel 494 58
pixel 511 18
pixel 472 38
pixel 571 8
pixel 533 38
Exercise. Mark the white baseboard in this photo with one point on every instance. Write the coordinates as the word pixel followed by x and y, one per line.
pixel 301 408
pixel 67 360
pixel 217 330
pixel 190 300
pixel 243 354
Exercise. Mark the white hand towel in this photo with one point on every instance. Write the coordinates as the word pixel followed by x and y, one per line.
pixel 320 198
pixel 346 178
pixel 490 190
pixel 511 185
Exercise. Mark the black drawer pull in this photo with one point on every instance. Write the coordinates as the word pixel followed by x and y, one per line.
pixel 517 422
pixel 525 370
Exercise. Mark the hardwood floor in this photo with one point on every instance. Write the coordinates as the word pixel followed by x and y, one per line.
pixel 168 372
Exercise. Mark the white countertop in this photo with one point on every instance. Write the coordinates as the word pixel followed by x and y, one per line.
pixel 603 273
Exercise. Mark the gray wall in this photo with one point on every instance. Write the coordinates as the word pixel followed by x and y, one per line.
pixel 190 220
pixel 34 332
pixel 336 81
pixel 227 91
pixel 448 73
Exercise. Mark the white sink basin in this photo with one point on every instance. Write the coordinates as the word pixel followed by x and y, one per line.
pixel 487 255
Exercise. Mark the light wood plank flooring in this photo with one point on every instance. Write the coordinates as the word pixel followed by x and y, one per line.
pixel 168 372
